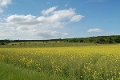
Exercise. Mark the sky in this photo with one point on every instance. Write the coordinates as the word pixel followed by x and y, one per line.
pixel 53 19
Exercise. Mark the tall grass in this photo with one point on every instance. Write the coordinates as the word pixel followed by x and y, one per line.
pixel 10 72
pixel 62 63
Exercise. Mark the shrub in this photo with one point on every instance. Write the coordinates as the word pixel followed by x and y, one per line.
pixel 2 43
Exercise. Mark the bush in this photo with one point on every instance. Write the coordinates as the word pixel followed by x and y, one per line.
pixel 2 43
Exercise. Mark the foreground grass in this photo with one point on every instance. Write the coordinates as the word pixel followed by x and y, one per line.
pixel 10 72
pixel 61 63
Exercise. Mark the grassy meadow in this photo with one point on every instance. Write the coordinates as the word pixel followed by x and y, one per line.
pixel 62 62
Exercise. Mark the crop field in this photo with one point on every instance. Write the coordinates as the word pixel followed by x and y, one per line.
pixel 61 63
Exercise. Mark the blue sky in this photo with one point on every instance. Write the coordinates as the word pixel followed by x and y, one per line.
pixel 50 19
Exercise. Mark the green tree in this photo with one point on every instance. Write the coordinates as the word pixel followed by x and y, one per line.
pixel 117 39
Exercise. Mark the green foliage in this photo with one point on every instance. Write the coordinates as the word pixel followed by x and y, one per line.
pixel 2 43
pixel 98 39
pixel 61 42
pixel 117 39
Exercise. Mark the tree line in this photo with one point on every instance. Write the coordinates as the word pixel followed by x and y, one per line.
pixel 99 40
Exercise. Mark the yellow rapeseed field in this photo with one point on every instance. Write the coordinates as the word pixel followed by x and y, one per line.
pixel 78 63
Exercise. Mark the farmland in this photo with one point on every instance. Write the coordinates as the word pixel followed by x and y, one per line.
pixel 93 62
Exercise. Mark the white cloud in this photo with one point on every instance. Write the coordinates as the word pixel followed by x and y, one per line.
pixel 44 26
pixel 68 14
pixel 95 30
pixel 55 19
pixel 22 19
pixel 6 31
pixel 4 3
pixel 76 18
pixel 48 11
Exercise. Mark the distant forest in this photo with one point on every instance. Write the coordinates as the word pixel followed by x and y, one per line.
pixel 98 40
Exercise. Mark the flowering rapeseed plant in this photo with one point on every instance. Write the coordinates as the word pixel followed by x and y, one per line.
pixel 80 63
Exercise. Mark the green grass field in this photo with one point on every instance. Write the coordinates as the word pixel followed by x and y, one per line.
pixel 43 44
pixel 78 62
